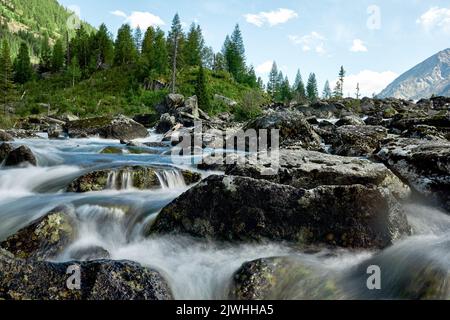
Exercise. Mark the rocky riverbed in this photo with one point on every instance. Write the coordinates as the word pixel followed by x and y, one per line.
pixel 359 183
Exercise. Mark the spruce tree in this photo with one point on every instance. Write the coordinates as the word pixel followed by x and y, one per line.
pixel 148 49
pixel 58 56
pixel 193 47
pixel 311 88
pixel 326 94
pixel 341 80
pixel 337 91
pixel 45 63
pixel 285 91
pixel 137 37
pixel 125 50
pixel 299 88
pixel 6 74
pixel 201 90
pixel 234 53
pixel 219 62
pixel 161 56
pixel 23 70
pixel 175 43
pixel 272 83
pixel 74 71
pixel 80 47
pixel 102 48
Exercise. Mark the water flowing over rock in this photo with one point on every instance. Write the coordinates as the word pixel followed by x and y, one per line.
pixel 294 129
pixel 244 209
pixel 44 238
pixel 310 169
pixel 137 177
pixel 424 164
pixel 20 156
pixel 4 136
pixel 119 127
pixel 350 121
pixel 100 280
pixel 281 278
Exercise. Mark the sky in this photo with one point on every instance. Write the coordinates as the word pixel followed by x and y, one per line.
pixel 375 41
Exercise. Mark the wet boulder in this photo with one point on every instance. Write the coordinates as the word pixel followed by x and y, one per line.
pixel 229 208
pixel 44 238
pixel 89 253
pixel 282 278
pixel 294 129
pixel 424 164
pixel 147 120
pixel 423 132
pixel 310 169
pixel 5 136
pixel 356 141
pixel 118 127
pixel 137 177
pixel 100 280
pixel 20 156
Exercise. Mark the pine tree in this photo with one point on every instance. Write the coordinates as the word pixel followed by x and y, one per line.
pixel 272 84
pixel 6 74
pixel 234 53
pixel 358 95
pixel 311 88
pixel 175 43
pixel 102 48
pixel 326 94
pixel 193 47
pixel 341 79
pixel 58 56
pixel 201 90
pixel 161 55
pixel 337 91
pixel 125 50
pixel 46 56
pixel 23 71
pixel 299 88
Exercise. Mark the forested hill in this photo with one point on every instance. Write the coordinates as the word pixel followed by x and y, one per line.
pixel 32 20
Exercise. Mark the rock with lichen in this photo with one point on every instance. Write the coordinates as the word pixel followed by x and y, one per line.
pixel 44 238
pixel 282 278
pixel 99 280
pixel 230 208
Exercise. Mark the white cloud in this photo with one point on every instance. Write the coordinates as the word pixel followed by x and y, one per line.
pixel 272 18
pixel 358 46
pixel 140 19
pixel 370 82
pixel 436 18
pixel 313 41
pixel 264 68
pixel 119 13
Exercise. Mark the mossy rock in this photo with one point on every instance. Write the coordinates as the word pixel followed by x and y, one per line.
pixel 44 238
pixel 282 278
pixel 112 150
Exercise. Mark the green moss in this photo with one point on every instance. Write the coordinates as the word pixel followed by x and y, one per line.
pixel 112 150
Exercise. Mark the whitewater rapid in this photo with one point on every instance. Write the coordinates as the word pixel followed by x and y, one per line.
pixel 114 219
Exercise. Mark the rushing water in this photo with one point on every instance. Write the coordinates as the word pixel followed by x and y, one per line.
pixel 114 219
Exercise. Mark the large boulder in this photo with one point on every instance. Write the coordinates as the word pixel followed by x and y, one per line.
pixel 137 177
pixel 294 129
pixel 350 121
pixel 147 120
pixel 44 238
pixel 282 278
pixel 20 156
pixel 100 280
pixel 119 127
pixel 424 164
pixel 5 136
pixel 355 141
pixel 5 150
pixel 165 124
pixel 243 209
pixel 310 169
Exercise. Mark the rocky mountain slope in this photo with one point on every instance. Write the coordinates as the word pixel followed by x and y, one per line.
pixel 431 77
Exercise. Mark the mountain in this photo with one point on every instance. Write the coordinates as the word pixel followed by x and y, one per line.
pixel 31 20
pixel 431 77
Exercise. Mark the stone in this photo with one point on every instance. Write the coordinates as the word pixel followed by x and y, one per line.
pixel 20 156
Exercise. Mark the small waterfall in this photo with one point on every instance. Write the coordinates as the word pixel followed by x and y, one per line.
pixel 111 182
pixel 171 179
pixel 127 180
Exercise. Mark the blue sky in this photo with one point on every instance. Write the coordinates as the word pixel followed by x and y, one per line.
pixel 374 40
